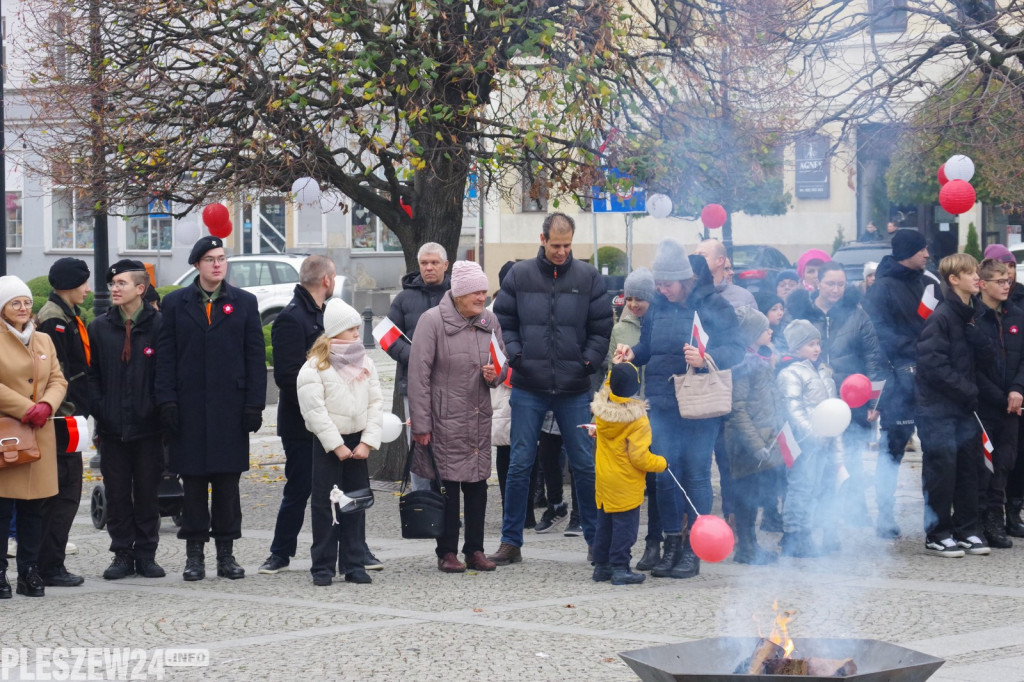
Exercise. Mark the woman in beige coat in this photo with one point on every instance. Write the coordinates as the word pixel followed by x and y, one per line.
pixel 31 388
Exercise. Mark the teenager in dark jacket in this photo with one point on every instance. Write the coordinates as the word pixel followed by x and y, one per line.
pixel 667 347
pixel 123 402
pixel 60 318
pixel 893 303
pixel 947 400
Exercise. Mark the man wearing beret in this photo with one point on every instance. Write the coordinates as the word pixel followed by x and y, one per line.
pixel 61 319
pixel 211 387
pixel 122 402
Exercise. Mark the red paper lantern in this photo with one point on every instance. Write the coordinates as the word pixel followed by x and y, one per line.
pixel 216 216
pixel 713 216
pixel 856 390
pixel 711 538
pixel 957 196
pixel 942 175
pixel 221 231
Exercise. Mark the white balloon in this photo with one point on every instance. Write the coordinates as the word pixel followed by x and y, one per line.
pixel 830 418
pixel 959 167
pixel 306 191
pixel 392 428
pixel 659 206
pixel 186 232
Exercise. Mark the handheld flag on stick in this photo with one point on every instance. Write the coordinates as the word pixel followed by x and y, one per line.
pixel 788 445
pixel 928 302
pixel 497 357
pixel 387 332
pixel 986 446
pixel 699 335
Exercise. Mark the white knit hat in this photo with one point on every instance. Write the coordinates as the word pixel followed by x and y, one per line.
pixel 12 287
pixel 339 316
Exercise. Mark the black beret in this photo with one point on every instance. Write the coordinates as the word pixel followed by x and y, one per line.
pixel 202 246
pixel 124 265
pixel 68 273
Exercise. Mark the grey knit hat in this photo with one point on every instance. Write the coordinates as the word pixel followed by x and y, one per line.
pixel 670 262
pixel 752 324
pixel 799 333
pixel 639 284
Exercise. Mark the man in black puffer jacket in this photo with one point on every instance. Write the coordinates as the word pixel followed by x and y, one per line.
pixel 556 321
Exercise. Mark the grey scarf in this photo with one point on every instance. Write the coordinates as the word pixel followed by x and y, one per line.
pixel 347 360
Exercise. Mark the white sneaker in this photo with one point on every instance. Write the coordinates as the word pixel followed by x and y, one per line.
pixel 12 548
pixel 71 548
pixel 946 547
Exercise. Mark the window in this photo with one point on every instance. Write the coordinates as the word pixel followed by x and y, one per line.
pixel 71 219
pixel 149 226
pixel 13 206
pixel 370 235
pixel 284 273
pixel 535 190
pixel 250 273
pixel 890 16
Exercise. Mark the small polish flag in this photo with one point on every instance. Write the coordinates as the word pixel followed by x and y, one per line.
pixel 386 333
pixel 699 335
pixel 788 446
pixel 928 302
pixel 497 357
pixel 78 432
pixel 986 446
pixel 876 389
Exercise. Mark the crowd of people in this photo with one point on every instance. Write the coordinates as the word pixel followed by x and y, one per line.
pixel 179 384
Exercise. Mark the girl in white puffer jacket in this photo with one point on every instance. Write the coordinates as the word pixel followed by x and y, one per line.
pixel 341 403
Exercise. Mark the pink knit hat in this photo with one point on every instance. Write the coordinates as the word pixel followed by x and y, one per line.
pixel 467 277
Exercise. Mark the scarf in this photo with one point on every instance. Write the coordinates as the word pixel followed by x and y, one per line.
pixel 347 360
pixel 25 335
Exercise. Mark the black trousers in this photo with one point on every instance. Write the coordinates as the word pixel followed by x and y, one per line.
pixel 59 512
pixel 340 546
pixel 615 535
pixel 1015 479
pixel 1002 430
pixel 950 457
pixel 724 474
pixel 30 531
pixel 549 459
pixel 298 470
pixel 475 495
pixel 131 475
pixel 653 515
pixel 217 514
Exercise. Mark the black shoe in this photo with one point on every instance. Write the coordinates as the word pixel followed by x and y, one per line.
pixel 573 529
pixel 147 567
pixel 621 575
pixel 273 564
pixel 995 529
pixel 195 568
pixel 799 545
pixel 651 556
pixel 5 585
pixel 61 578
pixel 322 579
pixel 602 573
pixel 31 583
pixel 552 516
pixel 670 557
pixel 227 567
pixel 358 576
pixel 122 566
pixel 1014 525
pixel 689 563
pixel 754 555
pixel 372 563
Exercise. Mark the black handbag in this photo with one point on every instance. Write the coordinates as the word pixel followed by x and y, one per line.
pixel 422 511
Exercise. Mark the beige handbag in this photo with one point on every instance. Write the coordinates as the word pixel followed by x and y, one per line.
pixel 704 395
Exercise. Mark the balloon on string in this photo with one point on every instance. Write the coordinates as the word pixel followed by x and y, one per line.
pixel 392 428
pixel 711 538
pixel 713 216
pixel 957 196
pixel 306 192
pixel 856 390
pixel 215 215
pixel 959 167
pixel 942 175
pixel 222 231
pixel 830 418
pixel 659 206
pixel 186 232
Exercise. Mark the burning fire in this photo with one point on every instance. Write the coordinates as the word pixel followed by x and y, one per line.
pixel 780 631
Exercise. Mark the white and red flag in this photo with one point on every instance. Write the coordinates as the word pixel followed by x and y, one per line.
pixel 497 357
pixel 986 446
pixel 78 432
pixel 386 333
pixel 876 389
pixel 699 335
pixel 788 446
pixel 928 302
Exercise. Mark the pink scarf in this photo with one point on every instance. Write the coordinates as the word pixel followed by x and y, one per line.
pixel 347 360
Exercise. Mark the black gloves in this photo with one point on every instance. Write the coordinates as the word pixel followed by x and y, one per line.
pixel 169 420
pixel 253 418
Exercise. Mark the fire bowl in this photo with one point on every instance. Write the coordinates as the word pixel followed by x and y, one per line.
pixel 715 660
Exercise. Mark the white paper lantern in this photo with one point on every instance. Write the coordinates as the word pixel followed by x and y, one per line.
pixel 959 167
pixel 830 418
pixel 659 206
pixel 392 428
pixel 306 192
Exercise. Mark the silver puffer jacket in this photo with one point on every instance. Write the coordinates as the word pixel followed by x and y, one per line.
pixel 803 387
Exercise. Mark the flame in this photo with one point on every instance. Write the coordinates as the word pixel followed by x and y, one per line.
pixel 780 631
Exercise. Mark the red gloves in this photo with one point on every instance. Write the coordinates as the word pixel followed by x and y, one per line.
pixel 37 415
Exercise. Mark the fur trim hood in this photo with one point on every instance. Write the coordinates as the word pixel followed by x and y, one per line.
pixel 609 411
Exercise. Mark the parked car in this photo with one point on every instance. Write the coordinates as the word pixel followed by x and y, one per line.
pixel 757 266
pixel 271 277
pixel 854 255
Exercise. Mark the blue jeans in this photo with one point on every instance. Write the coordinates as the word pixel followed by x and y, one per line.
pixel 528 409
pixel 687 445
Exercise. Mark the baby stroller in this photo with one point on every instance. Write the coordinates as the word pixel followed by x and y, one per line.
pixel 169 493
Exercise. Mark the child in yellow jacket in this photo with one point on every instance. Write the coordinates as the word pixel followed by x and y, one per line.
pixel 620 466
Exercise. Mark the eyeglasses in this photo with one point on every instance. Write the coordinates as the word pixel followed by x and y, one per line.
pixel 21 304
pixel 210 260
pixel 120 285
pixel 1000 282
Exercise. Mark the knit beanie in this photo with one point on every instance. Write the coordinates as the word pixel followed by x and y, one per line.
pixel 766 300
pixel 869 268
pixel 753 323
pixel 670 262
pixel 339 316
pixel 799 333
pixel 788 273
pixel 639 284
pixel 68 273
pixel 624 380
pixel 905 243
pixel 467 277
pixel 12 287
pixel 1000 252
pixel 809 255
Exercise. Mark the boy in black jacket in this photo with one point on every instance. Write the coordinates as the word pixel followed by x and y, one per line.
pixel 947 398
pixel 1000 393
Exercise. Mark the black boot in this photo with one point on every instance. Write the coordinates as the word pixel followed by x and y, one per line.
pixel 771 519
pixel 670 557
pixel 799 545
pixel 1014 526
pixel 195 567
pixel 122 566
pixel 689 563
pixel 227 567
pixel 621 575
pixel 5 585
pixel 747 549
pixel 30 583
pixel 602 573
pixel 651 557
pixel 995 529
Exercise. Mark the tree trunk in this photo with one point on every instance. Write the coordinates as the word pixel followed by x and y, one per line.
pixel 388 463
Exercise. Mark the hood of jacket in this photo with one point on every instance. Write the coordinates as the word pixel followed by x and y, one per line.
pixel 890 267
pixel 414 280
pixel 619 413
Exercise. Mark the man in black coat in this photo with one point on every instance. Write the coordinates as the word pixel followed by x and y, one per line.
pixel 61 319
pixel 556 321
pixel 294 331
pixel 211 387
pixel 123 402
pixel 894 303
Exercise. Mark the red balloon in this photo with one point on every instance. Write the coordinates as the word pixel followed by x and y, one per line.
pixel 216 216
pixel 713 216
pixel 856 390
pixel 711 538
pixel 957 196
pixel 221 231
pixel 942 175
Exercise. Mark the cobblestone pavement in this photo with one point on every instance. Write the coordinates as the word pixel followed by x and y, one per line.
pixel 543 619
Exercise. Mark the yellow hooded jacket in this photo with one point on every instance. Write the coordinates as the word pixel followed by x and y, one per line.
pixel 623 452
